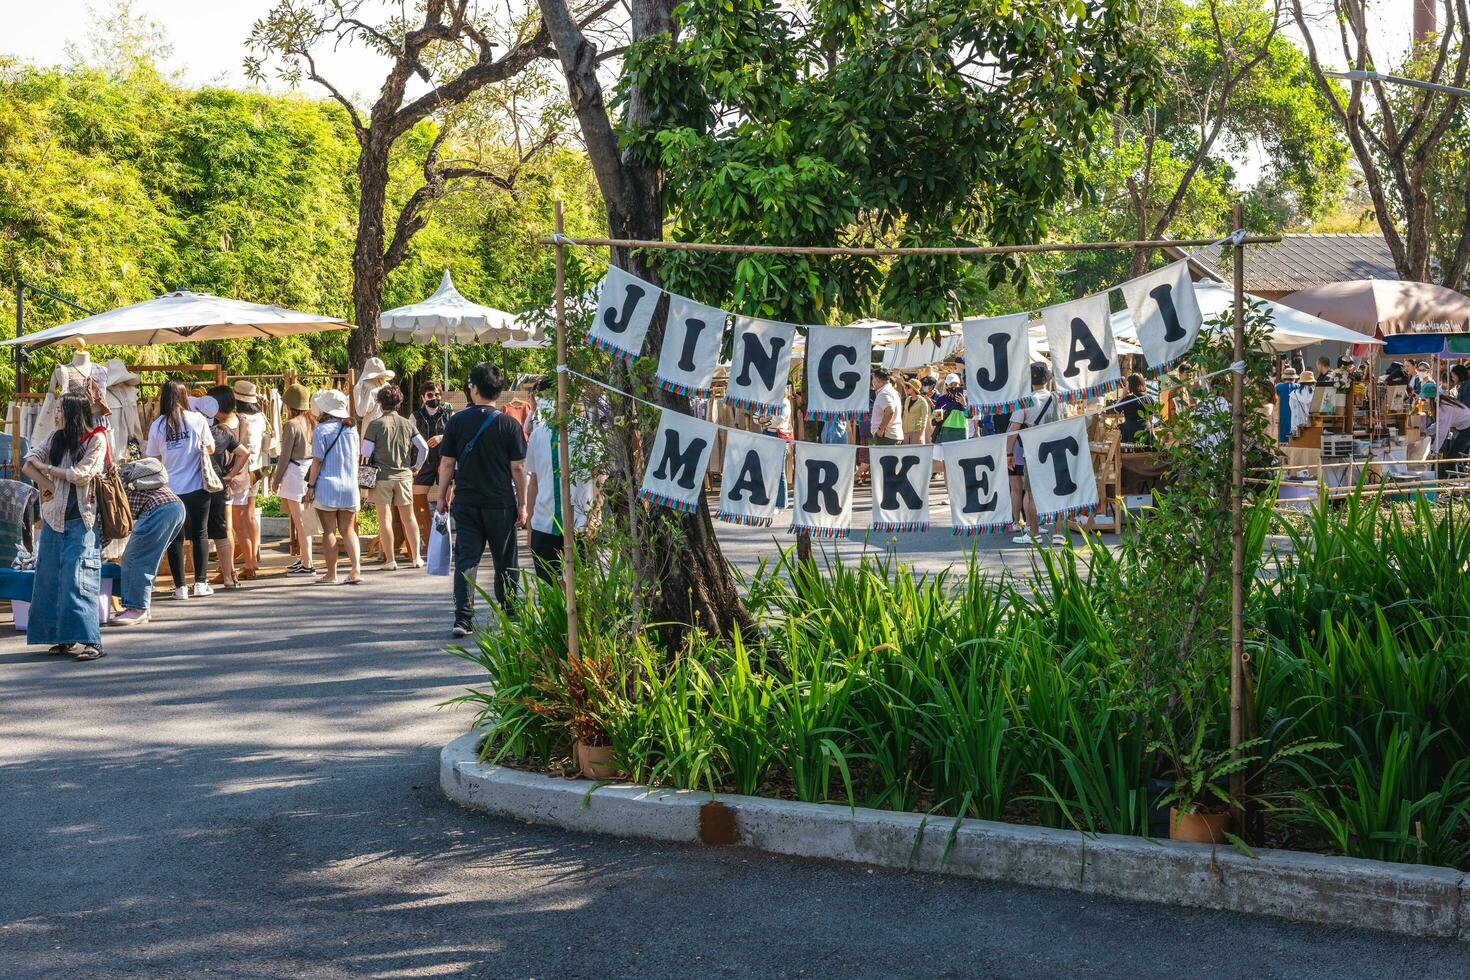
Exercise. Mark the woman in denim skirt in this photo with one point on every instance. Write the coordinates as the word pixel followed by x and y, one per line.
pixel 68 556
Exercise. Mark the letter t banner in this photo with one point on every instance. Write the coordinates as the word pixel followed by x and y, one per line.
pixel 1059 469
pixel 823 489
pixel 838 365
pixel 679 456
pixel 625 308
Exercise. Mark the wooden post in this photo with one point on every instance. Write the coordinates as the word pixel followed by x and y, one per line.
pixel 15 440
pixel 1237 543
pixel 564 452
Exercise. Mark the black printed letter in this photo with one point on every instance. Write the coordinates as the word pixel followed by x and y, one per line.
pixel 759 358
pixel 682 463
pixel 896 481
pixel 985 380
pixel 1084 344
pixel 843 387
pixel 821 479
pixel 617 322
pixel 979 478
pixel 1059 450
pixel 1164 296
pixel 693 328
pixel 750 481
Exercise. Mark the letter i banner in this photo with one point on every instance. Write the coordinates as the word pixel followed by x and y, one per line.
pixel 691 347
pixel 823 489
pixel 674 476
pixel 839 362
pixel 901 488
pixel 979 488
pixel 760 363
pixel 1084 357
pixel 625 308
pixel 750 480
pixel 997 364
pixel 1165 313
pixel 1059 469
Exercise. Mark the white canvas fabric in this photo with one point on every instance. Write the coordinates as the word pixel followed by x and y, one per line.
pixel 750 478
pixel 677 460
pixel 1165 314
pixel 691 347
pixel 997 364
pixel 760 363
pixel 839 363
pixel 823 489
pixel 901 487
pixel 1059 469
pixel 979 489
pixel 625 308
pixel 1084 357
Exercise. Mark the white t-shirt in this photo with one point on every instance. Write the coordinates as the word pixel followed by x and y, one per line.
pixel 538 463
pixel 886 401
pixel 181 455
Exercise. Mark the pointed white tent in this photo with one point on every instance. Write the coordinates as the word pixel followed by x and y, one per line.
pixel 179 316
pixel 447 317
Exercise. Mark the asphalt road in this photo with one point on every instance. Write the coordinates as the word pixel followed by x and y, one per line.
pixel 247 787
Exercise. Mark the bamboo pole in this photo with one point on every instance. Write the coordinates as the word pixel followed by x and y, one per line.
pixel 895 251
pixel 564 450
pixel 1237 536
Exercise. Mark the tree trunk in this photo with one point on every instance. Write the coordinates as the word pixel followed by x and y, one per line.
pixel 369 274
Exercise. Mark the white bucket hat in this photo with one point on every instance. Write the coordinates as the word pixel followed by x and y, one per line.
pixel 118 373
pixel 331 402
pixel 375 369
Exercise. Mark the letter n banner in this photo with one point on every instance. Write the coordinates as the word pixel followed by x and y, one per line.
pixel 674 476
pixel 1059 469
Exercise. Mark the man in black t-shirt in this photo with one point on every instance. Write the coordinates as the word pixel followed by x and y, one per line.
pixel 481 454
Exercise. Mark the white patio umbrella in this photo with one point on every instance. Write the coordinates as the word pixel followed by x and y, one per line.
pixel 179 316
pixel 447 318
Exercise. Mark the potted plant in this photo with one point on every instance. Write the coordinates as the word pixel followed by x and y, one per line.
pixel 579 698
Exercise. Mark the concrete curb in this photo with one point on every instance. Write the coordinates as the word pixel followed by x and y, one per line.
pixel 1409 899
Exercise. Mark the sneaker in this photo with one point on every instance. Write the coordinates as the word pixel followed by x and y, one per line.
pixel 461 630
pixel 1060 540
pixel 299 571
pixel 1025 539
pixel 202 589
pixel 181 593
pixel 129 617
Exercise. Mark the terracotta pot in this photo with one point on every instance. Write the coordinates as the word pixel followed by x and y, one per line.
pixel 1200 828
pixel 595 761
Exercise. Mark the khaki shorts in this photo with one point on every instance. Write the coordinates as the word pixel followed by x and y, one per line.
pixel 395 491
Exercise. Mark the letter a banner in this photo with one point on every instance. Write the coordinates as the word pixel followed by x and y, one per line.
pixel 674 476
pixel 1084 358
pixel 823 489
pixel 1059 469
pixel 997 364
pixel 1165 313
pixel 751 478
pixel 625 308
pixel 979 489
pixel 901 488
pixel 759 364
pixel 838 362
pixel 691 347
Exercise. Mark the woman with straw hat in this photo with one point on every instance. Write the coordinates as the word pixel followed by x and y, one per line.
pixel 289 477
pixel 331 483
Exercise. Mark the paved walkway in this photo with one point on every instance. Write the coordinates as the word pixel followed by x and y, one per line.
pixel 248 788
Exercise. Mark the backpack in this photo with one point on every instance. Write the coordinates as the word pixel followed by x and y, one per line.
pixel 144 474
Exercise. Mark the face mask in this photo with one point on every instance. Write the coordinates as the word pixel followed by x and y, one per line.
pixel 431 403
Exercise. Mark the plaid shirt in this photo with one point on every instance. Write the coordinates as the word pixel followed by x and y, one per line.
pixel 142 501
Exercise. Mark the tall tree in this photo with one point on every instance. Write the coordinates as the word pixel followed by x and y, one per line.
pixel 446 52
pixel 1397 137
pixel 844 122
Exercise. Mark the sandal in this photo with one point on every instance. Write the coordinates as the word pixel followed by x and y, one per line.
pixel 247 574
pixel 61 649
pixel 327 581
pixel 354 581
pixel 91 652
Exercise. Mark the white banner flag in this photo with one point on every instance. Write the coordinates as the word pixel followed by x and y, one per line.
pixel 625 308
pixel 760 363
pixel 691 346
pixel 1165 313
pixel 901 488
pixel 997 364
pixel 751 478
pixel 674 476
pixel 839 362
pixel 1084 357
pixel 823 489
pixel 1059 469
pixel 979 487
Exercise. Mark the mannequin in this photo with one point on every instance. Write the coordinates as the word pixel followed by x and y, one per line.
pixel 122 398
pixel 71 379
pixel 375 375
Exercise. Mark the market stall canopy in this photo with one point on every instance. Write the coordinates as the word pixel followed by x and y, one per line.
pixel 1374 307
pixel 447 317
pixel 1291 329
pixel 179 316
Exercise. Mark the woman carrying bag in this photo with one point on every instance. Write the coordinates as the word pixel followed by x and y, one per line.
pixel 289 478
pixel 331 484
pixel 68 554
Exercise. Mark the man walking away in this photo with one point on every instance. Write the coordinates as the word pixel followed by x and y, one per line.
pixel 543 465
pixel 481 454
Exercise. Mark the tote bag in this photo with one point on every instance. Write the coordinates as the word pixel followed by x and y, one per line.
pixel 440 552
